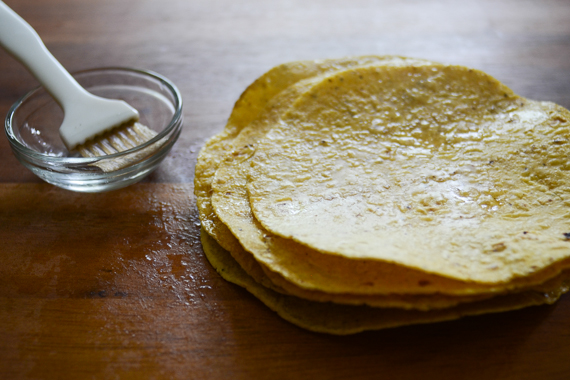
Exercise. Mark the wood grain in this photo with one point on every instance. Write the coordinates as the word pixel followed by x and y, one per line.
pixel 115 285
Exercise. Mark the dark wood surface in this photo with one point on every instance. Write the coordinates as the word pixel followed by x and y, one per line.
pixel 115 285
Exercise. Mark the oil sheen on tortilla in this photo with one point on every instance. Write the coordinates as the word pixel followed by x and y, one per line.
pixel 437 168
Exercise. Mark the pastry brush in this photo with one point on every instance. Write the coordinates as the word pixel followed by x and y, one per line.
pixel 92 125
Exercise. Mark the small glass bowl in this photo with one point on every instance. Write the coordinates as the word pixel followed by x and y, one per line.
pixel 32 126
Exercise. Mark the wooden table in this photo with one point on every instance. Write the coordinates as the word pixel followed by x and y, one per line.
pixel 115 285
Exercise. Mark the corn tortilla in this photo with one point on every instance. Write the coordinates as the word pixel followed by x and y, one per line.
pixel 437 168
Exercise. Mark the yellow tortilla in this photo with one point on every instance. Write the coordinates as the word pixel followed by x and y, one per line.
pixel 437 168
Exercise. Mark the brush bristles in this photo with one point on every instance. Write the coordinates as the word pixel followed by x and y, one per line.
pixel 118 140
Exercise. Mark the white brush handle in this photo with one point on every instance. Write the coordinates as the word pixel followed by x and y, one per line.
pixel 85 115
pixel 22 41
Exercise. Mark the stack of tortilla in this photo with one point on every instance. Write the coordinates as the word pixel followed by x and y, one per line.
pixel 373 192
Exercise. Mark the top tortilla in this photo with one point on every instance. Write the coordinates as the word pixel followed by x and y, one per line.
pixel 437 168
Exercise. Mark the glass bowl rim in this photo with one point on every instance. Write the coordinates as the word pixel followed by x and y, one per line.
pixel 173 123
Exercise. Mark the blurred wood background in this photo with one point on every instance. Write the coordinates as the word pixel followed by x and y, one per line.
pixel 115 285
